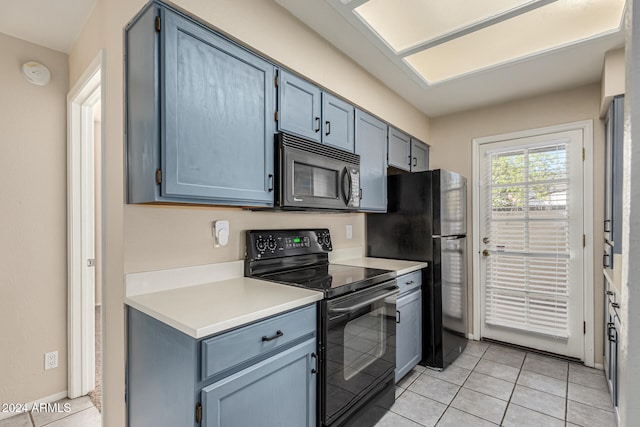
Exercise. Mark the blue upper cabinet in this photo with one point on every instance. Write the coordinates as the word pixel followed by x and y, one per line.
pixel 338 122
pixel 399 149
pixel 300 105
pixel 306 110
pixel 371 145
pixel 199 115
pixel 419 156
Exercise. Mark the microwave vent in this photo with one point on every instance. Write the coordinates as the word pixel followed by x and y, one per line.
pixel 303 144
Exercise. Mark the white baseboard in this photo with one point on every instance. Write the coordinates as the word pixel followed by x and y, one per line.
pixel 598 366
pixel 470 337
pixel 47 399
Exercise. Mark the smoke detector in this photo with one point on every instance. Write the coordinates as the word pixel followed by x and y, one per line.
pixel 36 73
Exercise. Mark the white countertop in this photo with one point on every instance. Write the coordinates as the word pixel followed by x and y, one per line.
pixel 209 308
pixel 400 267
pixel 208 299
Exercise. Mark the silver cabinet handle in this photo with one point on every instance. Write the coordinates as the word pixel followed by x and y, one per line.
pixel 314 370
pixel 317 129
pixel 327 127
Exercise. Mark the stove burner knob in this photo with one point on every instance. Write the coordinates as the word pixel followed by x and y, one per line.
pixel 261 245
pixel 326 240
pixel 272 245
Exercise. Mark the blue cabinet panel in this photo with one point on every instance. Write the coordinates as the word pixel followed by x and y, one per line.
pixel 408 332
pixel 300 105
pixel 616 123
pixel 419 156
pixel 199 115
pixel 277 392
pixel 176 380
pixel 338 122
pixel 399 149
pixel 217 134
pixel 227 351
pixel 371 145
pixel 161 373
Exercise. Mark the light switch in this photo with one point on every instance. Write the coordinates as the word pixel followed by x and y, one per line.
pixel 349 231
pixel 221 229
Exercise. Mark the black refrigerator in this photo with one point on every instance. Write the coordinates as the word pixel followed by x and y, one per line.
pixel 426 220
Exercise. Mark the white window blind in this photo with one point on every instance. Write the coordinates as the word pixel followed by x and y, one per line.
pixel 527 224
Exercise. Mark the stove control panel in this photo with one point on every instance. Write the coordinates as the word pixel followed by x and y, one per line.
pixel 262 244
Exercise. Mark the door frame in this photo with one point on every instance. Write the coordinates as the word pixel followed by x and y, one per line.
pixel 586 126
pixel 80 237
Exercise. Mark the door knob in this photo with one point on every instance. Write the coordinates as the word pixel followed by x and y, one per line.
pixel 485 252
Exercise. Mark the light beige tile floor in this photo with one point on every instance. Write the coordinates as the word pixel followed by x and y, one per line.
pixel 493 385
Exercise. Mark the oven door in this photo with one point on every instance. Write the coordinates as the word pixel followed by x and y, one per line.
pixel 312 180
pixel 359 349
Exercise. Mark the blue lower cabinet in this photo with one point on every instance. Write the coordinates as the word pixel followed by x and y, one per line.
pixel 269 380
pixel 408 323
pixel 277 392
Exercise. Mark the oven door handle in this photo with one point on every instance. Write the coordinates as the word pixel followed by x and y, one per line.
pixel 364 303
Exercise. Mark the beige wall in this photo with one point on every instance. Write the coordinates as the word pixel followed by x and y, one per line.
pixel 140 238
pixel 452 137
pixel 33 251
pixel 166 237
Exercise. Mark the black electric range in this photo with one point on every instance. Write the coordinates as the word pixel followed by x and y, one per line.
pixel 300 258
pixel 356 322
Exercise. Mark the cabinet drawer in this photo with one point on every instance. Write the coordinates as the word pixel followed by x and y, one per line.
pixel 409 282
pixel 233 349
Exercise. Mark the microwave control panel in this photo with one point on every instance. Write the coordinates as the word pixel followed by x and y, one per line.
pixel 263 244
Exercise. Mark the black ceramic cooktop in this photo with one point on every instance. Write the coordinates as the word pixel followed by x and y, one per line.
pixel 332 279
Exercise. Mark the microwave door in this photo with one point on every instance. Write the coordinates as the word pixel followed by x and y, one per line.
pixel 312 181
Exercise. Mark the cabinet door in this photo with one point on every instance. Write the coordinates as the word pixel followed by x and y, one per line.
pixel 299 104
pixel 419 156
pixel 408 333
pixel 277 392
pixel 216 117
pixel 337 120
pixel 616 125
pixel 371 145
pixel 399 149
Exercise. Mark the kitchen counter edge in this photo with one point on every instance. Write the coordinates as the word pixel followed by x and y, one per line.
pixel 211 308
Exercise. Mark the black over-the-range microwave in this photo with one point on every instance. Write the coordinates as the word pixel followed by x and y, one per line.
pixel 310 175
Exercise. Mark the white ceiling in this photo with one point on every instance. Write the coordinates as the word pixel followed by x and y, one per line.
pixel 565 66
pixel 51 23
pixel 57 23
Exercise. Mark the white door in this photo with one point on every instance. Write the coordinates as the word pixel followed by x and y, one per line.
pixel 531 248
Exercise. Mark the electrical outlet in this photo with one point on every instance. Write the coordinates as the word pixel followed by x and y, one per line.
pixel 50 360
pixel 349 231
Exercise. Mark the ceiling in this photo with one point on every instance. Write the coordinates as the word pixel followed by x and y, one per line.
pixel 445 57
pixel 55 24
